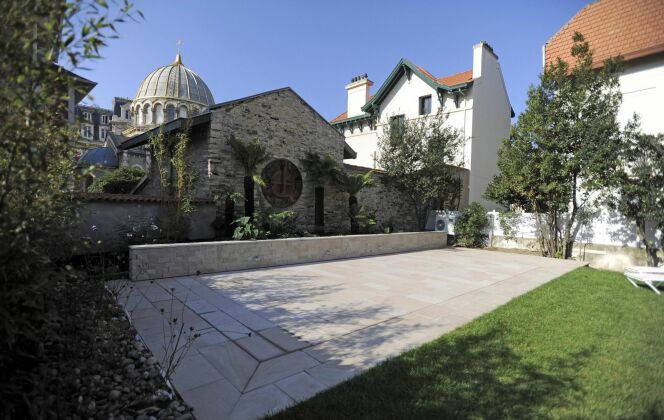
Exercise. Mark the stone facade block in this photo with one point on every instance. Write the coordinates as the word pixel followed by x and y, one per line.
pixel 174 260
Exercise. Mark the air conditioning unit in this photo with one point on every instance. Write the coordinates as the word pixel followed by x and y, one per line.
pixel 442 221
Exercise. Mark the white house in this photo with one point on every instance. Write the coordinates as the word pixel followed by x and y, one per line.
pixel 475 101
pixel 635 30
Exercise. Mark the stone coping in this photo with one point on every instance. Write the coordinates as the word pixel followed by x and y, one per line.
pixel 277 240
pixel 184 259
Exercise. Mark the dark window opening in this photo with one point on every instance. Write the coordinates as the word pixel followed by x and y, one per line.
pixel 425 105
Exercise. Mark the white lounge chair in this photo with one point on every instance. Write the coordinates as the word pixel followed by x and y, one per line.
pixel 651 277
pixel 644 269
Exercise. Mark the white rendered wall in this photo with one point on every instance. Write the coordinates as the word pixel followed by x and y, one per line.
pixel 403 99
pixel 642 86
pixel 482 117
pixel 491 123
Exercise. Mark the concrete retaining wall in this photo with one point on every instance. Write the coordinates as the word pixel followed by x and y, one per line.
pixel 172 260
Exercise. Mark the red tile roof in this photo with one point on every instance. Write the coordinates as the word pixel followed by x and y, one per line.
pixel 452 79
pixel 340 117
pixel 455 79
pixel 631 28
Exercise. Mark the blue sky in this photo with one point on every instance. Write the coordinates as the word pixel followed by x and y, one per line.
pixel 245 47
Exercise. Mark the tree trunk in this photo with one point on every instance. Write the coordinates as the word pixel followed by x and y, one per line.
pixel 352 204
pixel 652 258
pixel 249 196
pixel 319 209
pixel 229 216
pixel 568 239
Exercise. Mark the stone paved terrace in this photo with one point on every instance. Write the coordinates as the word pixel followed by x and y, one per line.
pixel 315 325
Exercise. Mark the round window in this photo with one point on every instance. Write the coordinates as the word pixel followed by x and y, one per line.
pixel 283 183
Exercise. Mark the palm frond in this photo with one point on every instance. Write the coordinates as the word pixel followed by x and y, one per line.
pixel 354 183
pixel 251 154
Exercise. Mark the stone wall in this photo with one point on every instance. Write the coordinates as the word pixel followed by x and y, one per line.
pixel 172 260
pixel 109 222
pixel 289 128
pixel 389 204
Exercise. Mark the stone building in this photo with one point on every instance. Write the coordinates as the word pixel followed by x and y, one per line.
pixel 173 99
pixel 94 125
pixel 289 128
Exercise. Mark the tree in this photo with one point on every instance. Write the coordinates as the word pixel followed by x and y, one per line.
pixel 320 172
pixel 352 184
pixel 471 226
pixel 637 190
pixel 250 155
pixel 177 179
pixel 418 157
pixel 118 181
pixel 35 172
pixel 563 147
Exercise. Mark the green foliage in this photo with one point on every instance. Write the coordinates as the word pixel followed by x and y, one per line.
pixel 563 147
pixel 364 219
pixel 170 152
pixel 246 229
pixel 418 156
pixel 282 224
pixel 509 222
pixel 637 188
pixel 35 172
pixel 119 181
pixel 352 184
pixel 320 170
pixel 471 226
pixel 250 155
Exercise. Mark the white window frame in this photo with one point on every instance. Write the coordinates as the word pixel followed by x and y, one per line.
pixel 83 131
pixel 103 132
pixel 87 116
pixel 103 119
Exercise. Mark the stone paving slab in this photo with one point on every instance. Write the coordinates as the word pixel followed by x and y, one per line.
pixel 272 337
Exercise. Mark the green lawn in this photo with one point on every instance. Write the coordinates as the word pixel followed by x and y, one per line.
pixel 586 345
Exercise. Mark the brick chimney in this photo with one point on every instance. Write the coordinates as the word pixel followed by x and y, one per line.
pixel 358 94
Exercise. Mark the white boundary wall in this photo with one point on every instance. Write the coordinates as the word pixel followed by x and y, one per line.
pixel 606 228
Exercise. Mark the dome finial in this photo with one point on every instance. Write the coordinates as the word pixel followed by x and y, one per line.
pixel 178 58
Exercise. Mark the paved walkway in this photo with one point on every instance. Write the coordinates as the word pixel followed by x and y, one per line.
pixel 272 337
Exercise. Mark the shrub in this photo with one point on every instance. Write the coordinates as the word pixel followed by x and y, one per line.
pixel 509 224
pixel 36 170
pixel 470 228
pixel 282 224
pixel 247 229
pixel 119 181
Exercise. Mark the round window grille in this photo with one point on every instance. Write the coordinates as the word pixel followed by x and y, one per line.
pixel 283 183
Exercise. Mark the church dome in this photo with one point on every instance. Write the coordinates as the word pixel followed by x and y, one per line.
pixel 175 81
pixel 167 93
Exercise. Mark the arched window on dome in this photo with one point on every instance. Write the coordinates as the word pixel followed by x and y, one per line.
pixel 159 113
pixel 147 115
pixel 170 112
pixel 183 112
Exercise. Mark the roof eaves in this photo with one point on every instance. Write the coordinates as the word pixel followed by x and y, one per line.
pixel 351 119
pixel 349 153
pixel 396 74
pixel 168 127
pixel 247 98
